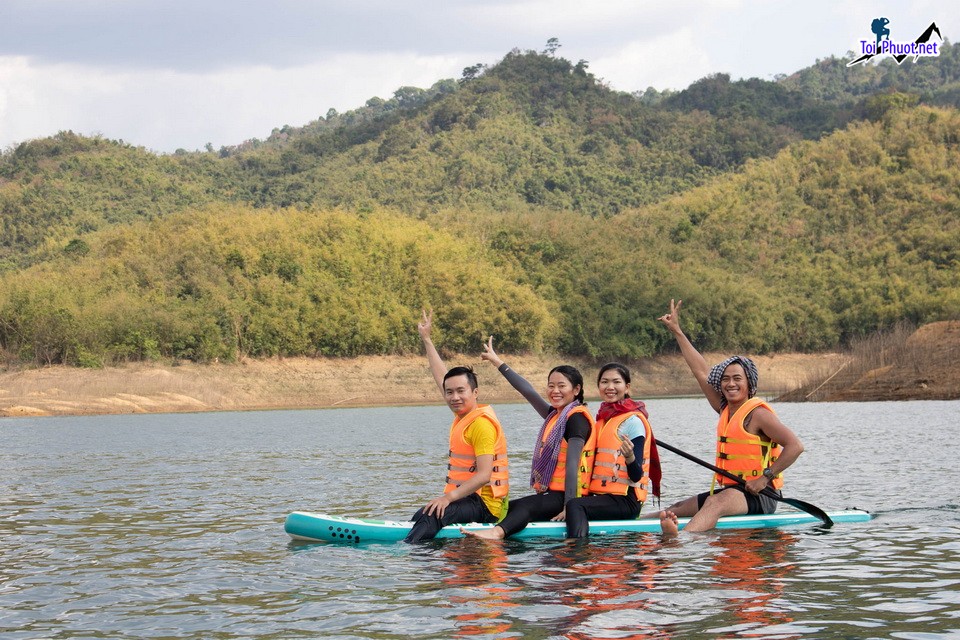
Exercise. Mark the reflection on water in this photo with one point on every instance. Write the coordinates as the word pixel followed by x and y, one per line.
pixel 754 569
pixel 608 588
pixel 171 526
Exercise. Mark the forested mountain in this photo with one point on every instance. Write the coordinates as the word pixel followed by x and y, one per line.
pixel 526 200
pixel 533 131
pixel 831 81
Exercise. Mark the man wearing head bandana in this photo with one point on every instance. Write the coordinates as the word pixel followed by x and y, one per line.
pixel 752 443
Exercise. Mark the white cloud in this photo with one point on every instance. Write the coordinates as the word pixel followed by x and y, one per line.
pixel 164 110
pixel 558 14
pixel 668 62
pixel 176 73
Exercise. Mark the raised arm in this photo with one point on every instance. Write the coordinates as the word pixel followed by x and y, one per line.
pixel 698 366
pixel 517 381
pixel 437 368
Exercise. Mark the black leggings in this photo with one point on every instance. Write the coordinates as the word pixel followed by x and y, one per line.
pixel 600 506
pixel 462 511
pixel 536 507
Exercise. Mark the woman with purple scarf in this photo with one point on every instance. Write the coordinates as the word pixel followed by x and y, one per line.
pixel 563 452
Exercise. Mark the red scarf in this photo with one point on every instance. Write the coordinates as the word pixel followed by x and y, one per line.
pixel 629 405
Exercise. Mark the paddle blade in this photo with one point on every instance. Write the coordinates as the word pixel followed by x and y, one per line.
pixel 812 509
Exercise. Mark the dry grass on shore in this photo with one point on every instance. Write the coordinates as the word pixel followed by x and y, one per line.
pixel 329 382
pixel 897 365
pixel 903 363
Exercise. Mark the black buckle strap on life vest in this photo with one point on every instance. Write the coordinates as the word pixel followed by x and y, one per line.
pixel 768 444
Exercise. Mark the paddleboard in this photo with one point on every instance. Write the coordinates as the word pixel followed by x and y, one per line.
pixel 319 527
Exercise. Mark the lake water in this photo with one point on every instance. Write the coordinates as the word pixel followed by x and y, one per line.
pixel 169 526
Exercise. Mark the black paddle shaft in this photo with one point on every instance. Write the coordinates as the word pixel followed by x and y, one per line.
pixel 813 510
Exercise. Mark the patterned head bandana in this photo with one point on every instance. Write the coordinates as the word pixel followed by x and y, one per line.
pixel 749 368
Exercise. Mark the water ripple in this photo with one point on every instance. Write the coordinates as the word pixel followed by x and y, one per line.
pixel 171 527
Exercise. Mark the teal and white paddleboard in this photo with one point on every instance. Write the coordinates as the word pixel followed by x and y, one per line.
pixel 318 527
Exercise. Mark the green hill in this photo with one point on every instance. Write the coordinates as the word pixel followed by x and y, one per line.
pixel 56 189
pixel 227 282
pixel 528 201
pixel 532 131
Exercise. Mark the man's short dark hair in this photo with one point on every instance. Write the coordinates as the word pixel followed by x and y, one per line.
pixel 463 371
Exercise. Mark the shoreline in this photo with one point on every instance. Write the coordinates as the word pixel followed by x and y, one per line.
pixel 323 383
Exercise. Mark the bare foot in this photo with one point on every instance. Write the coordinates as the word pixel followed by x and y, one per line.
pixel 668 524
pixel 493 533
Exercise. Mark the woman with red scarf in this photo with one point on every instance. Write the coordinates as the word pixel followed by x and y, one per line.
pixel 626 461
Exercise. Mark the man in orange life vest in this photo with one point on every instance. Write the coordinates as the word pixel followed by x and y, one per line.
pixel 752 443
pixel 477 478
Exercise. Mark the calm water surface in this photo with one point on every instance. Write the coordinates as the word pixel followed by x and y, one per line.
pixel 167 526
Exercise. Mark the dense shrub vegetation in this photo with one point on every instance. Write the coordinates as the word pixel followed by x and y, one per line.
pixel 525 200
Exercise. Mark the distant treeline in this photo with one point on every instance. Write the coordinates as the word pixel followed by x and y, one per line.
pixel 525 200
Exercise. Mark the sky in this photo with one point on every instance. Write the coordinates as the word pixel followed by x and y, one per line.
pixel 172 74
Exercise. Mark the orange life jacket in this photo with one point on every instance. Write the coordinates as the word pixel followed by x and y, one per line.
pixel 558 481
pixel 741 453
pixel 462 463
pixel 610 467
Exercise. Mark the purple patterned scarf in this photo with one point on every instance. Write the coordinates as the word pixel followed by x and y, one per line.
pixel 546 453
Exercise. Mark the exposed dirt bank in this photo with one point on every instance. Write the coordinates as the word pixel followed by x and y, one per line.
pixel 903 365
pixel 900 365
pixel 322 383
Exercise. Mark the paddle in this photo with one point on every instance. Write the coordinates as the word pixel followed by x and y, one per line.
pixel 813 510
